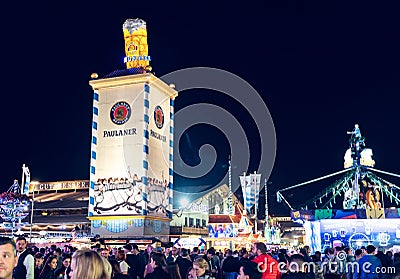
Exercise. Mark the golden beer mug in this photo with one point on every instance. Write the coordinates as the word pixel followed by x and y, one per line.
pixel 136 48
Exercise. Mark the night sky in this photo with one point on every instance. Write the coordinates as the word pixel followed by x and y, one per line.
pixel 319 67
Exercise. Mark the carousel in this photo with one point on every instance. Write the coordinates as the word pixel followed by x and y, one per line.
pixel 358 209
pixel 14 208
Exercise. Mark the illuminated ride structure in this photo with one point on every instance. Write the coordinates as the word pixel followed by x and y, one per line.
pixel 358 209
pixel 14 207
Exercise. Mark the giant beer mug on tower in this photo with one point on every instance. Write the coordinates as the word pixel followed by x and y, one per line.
pixel 136 48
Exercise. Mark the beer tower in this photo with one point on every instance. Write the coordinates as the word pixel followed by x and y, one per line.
pixel 131 170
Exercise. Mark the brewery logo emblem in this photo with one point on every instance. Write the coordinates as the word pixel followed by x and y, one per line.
pixel 159 117
pixel 120 113
pixel 132 48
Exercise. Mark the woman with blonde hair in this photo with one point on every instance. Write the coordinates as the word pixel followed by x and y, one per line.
pixel 88 264
pixel 201 267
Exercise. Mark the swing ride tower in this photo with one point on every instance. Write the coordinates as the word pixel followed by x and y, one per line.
pixel 358 209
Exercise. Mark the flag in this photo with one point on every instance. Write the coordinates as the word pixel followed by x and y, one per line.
pixel 246 190
pixel 256 182
pixel 15 186
pixel 278 197
pixel 27 174
pixel 251 189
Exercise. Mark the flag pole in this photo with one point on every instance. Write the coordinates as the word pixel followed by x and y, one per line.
pixel 33 201
pixel 22 180
pixel 231 212
pixel 255 202
pixel 266 209
pixel 244 194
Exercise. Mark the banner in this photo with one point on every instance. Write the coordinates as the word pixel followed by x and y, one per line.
pixel 255 182
pixel 251 189
pixel 246 190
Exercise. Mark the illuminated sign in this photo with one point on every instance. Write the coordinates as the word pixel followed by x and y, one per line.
pixel 353 233
pixel 61 185
pixel 141 241
pixel 221 230
pixel 136 58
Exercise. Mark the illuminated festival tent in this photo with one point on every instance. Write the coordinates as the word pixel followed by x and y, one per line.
pixel 358 209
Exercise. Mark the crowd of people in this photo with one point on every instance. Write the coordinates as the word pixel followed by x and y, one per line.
pixel 179 263
pixel 18 261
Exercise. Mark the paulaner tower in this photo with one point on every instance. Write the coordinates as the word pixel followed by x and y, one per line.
pixel 131 171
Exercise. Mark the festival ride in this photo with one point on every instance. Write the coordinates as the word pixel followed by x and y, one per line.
pixel 358 209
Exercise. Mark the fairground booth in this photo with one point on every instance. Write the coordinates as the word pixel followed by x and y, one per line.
pixel 357 209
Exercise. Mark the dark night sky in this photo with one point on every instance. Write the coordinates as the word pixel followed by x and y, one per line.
pixel 320 68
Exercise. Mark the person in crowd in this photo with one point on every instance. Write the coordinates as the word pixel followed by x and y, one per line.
pixel 48 268
pixel 201 267
pixel 158 263
pixel 244 256
pixel 305 251
pixel 267 264
pixel 351 260
pixel 136 261
pixel 194 254
pixel 39 260
pixel 396 262
pixel 282 260
pixel 249 270
pixel 88 264
pixel 172 255
pixel 209 257
pixel 230 265
pixel 369 264
pixel 191 274
pixel 8 253
pixel 124 267
pixel 173 270
pixel 58 253
pixel 105 253
pixel 113 253
pixel 184 262
pixel 328 253
pixel 149 267
pixel 67 250
pixel 25 268
pixel 317 265
pixel 116 271
pixel 60 272
pixel 335 266
pixel 147 253
pixel 386 263
pixel 389 254
pixel 358 253
pixel 34 250
pixel 298 268
pixel 385 260
pixel 68 272
pixel 217 261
